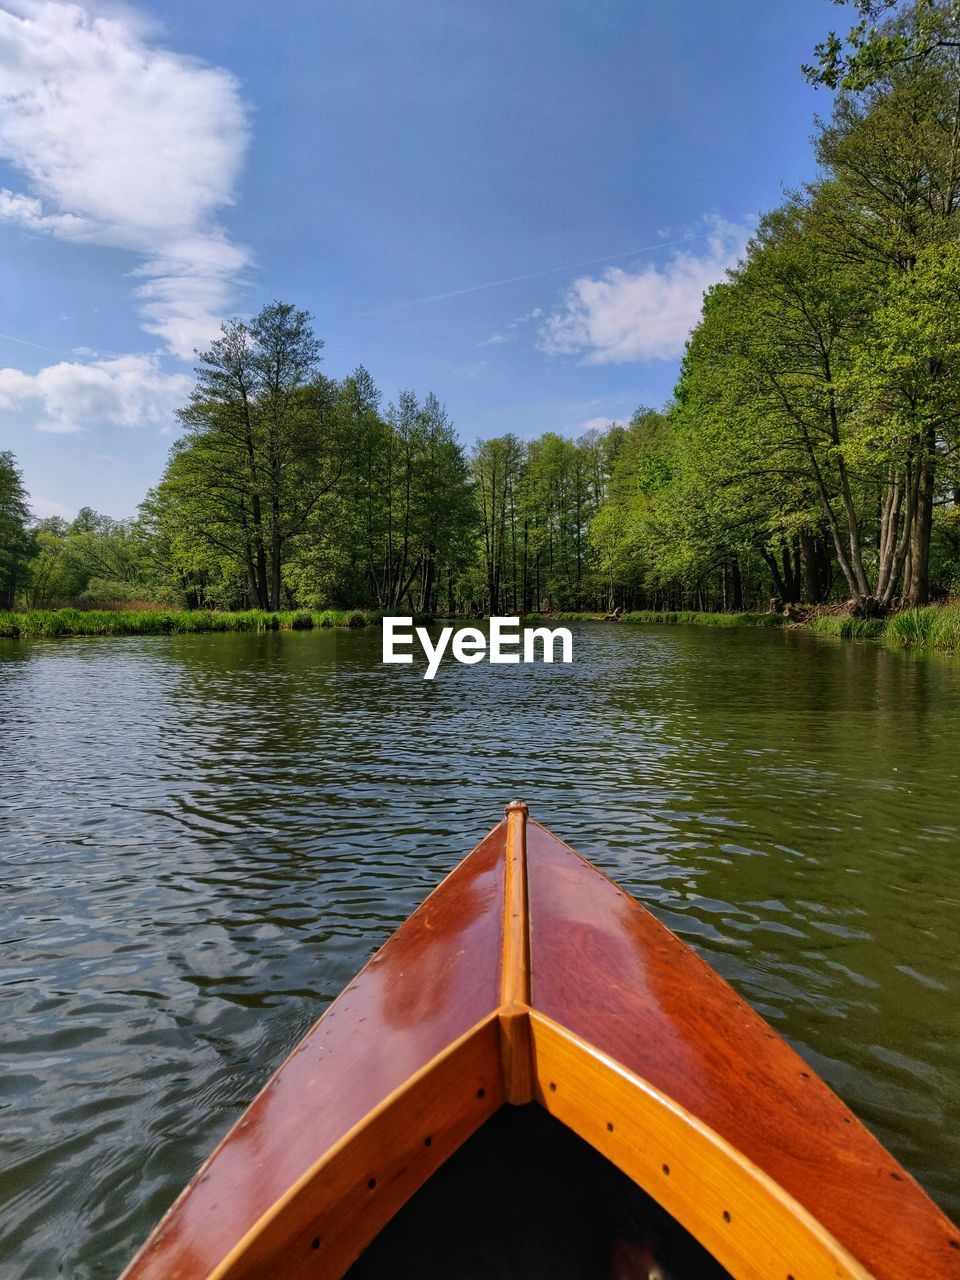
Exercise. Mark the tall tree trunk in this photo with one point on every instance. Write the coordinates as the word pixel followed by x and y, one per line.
pixel 275 556
pixel 771 562
pixel 789 578
pixel 919 589
pixel 736 585
pixel 811 573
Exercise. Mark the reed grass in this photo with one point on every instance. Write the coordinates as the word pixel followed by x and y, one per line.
pixel 932 627
pixel 936 626
pixel 132 622
pixel 847 628
pixel 672 617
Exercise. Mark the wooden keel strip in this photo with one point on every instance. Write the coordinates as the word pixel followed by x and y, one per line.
pixel 515 962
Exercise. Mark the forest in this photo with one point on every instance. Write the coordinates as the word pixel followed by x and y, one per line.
pixel 809 454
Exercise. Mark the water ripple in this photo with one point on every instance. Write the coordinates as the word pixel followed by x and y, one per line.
pixel 205 836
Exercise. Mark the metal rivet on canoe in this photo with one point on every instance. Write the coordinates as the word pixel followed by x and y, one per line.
pixel 610 1126
pixel 315 1242
pixel 955 1244
pixel 896 1177
pixel 481 1093
pixel 428 1141
pixel 553 1087
pixel 726 1215
pixel 372 1183
pixel 666 1169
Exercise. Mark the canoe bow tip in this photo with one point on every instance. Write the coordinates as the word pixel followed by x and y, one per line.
pixel 516 806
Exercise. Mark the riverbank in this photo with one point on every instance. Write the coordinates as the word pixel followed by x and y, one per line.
pixel 150 622
pixel 936 626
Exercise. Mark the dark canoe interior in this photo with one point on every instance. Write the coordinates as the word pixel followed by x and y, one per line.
pixel 526 1199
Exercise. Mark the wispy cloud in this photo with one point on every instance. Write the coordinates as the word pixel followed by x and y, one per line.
pixel 125 391
pixel 535 314
pixel 641 315
pixel 125 144
pixel 497 339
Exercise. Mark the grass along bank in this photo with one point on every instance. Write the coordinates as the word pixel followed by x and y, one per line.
pixel 153 622
pixel 671 617
pixel 935 626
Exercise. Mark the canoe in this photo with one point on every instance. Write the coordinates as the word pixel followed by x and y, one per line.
pixel 533 1076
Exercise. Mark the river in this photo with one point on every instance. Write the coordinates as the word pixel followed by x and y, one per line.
pixel 205 836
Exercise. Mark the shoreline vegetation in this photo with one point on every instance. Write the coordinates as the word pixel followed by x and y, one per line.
pixel 808 459
pixel 51 623
pixel 935 627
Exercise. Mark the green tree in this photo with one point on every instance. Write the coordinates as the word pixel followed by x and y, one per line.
pixel 260 449
pixel 14 536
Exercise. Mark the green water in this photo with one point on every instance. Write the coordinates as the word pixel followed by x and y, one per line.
pixel 203 837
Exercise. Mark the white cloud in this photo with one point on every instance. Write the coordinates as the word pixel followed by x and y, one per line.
pixel 641 315
pixel 494 340
pixel 128 145
pixel 29 213
pixel 125 391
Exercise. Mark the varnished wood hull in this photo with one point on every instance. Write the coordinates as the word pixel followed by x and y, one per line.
pixel 528 976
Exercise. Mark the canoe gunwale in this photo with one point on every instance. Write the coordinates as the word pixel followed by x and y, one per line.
pixel 344 1166
pixel 759 1206
pixel 617 1112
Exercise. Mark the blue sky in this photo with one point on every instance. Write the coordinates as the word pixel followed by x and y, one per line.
pixel 388 165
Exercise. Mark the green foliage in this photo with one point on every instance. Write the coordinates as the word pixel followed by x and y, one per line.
pixel 14 537
pixel 888 37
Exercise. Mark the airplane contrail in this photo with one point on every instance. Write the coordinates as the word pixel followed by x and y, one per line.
pixel 535 275
pixel 8 337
